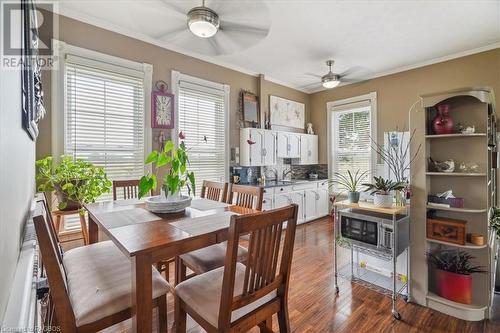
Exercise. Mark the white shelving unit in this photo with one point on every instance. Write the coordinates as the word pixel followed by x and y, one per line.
pixel 470 107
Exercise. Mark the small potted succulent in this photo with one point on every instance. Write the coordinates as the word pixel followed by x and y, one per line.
pixel 453 274
pixel 349 182
pixel 75 181
pixel 382 190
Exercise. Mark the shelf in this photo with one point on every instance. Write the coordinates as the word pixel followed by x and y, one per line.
pixel 456 174
pixel 461 210
pixel 466 246
pixel 455 135
pixel 457 305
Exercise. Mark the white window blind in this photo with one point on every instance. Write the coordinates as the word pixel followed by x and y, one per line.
pixel 202 114
pixel 351 140
pixel 104 121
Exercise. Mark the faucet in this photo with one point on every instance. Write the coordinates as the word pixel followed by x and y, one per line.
pixel 287 172
pixel 273 171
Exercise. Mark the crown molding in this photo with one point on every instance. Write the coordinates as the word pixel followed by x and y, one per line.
pixel 76 15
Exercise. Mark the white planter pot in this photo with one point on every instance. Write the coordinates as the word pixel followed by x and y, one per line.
pixel 382 200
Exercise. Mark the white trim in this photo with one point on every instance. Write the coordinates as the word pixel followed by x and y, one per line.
pixel 58 92
pixel 372 98
pixel 82 17
pixel 211 87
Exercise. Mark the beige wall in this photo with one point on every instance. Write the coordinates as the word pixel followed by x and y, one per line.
pixel 397 92
pixel 164 61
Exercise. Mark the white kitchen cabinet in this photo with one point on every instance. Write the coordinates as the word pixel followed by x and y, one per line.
pixel 298 198
pixel 308 149
pixel 288 145
pixel 262 152
pixel 267 202
pixel 310 204
pixel 322 202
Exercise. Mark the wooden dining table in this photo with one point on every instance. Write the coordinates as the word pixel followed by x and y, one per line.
pixel 147 238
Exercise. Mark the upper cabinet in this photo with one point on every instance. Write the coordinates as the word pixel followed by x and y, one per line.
pixel 308 149
pixel 266 146
pixel 257 147
pixel 288 145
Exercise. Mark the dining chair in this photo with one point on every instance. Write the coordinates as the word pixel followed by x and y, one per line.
pixel 245 196
pixel 214 190
pixel 90 286
pixel 237 297
pixel 129 187
pixel 212 257
pixel 130 190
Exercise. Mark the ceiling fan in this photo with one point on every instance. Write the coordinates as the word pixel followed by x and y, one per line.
pixel 330 80
pixel 224 27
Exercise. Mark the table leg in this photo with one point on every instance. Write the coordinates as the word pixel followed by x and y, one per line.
pixel 142 294
pixel 93 231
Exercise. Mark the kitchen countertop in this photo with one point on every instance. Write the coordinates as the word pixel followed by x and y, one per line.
pixel 274 183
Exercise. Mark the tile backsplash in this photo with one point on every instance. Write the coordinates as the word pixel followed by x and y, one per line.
pixel 303 171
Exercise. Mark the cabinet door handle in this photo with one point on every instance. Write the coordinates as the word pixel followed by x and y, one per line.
pixel 264 152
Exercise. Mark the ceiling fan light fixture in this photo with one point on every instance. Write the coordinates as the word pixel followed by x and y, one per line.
pixel 330 81
pixel 203 22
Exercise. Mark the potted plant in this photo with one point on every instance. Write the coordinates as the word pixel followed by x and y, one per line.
pixel 177 176
pixel 381 189
pixel 453 274
pixel 350 183
pixel 75 181
pixel 495 220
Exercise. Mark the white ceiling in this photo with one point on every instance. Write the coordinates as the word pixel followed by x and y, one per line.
pixel 370 38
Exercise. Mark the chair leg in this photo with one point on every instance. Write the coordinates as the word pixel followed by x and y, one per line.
pixel 283 319
pixel 180 316
pixel 180 271
pixel 267 325
pixel 162 314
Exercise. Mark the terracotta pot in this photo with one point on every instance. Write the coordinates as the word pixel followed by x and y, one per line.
pixel 455 287
pixel 442 122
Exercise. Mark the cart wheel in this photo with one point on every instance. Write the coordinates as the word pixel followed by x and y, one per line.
pixel 406 298
pixel 336 290
pixel 396 315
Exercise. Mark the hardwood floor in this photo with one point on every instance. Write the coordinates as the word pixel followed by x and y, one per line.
pixel 315 308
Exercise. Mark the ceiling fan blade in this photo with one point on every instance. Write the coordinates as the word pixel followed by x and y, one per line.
pixel 317 76
pixel 241 27
pixel 172 34
pixel 175 8
pixel 350 71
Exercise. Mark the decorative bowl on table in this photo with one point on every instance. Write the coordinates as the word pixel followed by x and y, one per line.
pixel 159 204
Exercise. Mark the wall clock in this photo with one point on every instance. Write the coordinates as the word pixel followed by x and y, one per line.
pixel 162 104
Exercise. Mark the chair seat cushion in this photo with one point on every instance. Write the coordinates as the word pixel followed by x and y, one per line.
pixel 211 257
pixel 99 281
pixel 203 294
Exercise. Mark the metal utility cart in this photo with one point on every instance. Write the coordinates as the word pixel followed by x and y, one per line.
pixel 380 232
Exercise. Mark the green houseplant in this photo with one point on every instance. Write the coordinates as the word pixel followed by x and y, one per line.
pixel 453 274
pixel 349 182
pixel 75 181
pixel 177 176
pixel 495 220
pixel 381 189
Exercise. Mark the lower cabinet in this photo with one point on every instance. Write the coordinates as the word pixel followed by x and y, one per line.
pixel 312 201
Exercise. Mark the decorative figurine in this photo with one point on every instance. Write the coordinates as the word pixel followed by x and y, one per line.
pixel 310 128
pixel 442 122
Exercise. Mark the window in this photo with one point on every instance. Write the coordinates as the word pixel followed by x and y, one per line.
pixel 104 118
pixel 202 113
pixel 352 125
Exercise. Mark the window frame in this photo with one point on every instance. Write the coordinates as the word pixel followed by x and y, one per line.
pixel 341 106
pixel 210 87
pixel 102 61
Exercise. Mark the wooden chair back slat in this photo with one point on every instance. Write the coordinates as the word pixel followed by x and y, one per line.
pixel 130 188
pixel 53 233
pixel 55 274
pixel 261 276
pixel 214 190
pixel 246 196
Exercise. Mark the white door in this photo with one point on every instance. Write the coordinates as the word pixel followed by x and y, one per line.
pixel 312 141
pixel 281 200
pixel 282 142
pixel 256 148
pixel 310 199
pixel 269 148
pixel 304 147
pixel 322 202
pixel 267 202
pixel 298 198
pixel 293 145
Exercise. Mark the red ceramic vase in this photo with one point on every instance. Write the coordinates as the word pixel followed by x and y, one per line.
pixel 442 122
pixel 455 287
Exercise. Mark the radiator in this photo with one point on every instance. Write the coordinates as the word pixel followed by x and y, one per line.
pixel 21 314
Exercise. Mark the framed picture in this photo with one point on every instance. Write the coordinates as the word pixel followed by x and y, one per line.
pixel 285 112
pixel 31 73
pixel 250 107
pixel 162 104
